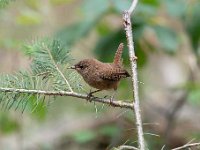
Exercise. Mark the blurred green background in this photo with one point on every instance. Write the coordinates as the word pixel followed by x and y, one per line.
pixel 167 42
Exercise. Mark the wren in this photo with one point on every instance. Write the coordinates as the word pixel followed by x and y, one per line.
pixel 102 76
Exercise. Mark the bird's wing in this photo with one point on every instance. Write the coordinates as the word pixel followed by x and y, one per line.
pixel 114 75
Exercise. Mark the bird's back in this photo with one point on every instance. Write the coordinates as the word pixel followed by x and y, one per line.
pixel 104 76
pixel 101 75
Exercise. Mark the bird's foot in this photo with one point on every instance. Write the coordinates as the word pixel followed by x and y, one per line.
pixel 90 96
pixel 111 100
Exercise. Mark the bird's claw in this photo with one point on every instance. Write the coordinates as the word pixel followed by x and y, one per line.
pixel 90 96
pixel 106 96
pixel 111 100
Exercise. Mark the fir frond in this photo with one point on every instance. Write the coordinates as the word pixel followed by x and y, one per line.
pixel 45 53
pixel 48 72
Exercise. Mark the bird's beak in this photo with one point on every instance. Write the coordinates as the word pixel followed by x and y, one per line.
pixel 72 67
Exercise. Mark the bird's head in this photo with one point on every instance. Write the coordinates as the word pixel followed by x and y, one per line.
pixel 82 66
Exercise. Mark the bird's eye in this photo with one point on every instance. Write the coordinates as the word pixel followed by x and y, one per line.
pixel 81 66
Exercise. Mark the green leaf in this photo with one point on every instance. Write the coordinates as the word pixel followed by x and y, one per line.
pixel 167 38
pixel 121 5
pixel 33 4
pixel 28 18
pixel 176 8
pixel 103 28
pixel 9 44
pixel 109 130
pixel 72 34
pixel 8 124
pixel 88 11
pixel 192 23
pixel 37 106
pixel 151 2
pixel 60 2
pixel 84 136
pixel 194 97
pixel 144 11
pixel 107 45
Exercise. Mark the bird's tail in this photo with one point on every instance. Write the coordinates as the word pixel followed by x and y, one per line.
pixel 117 59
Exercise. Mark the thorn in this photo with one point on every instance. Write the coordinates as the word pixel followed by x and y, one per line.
pixel 89 96
pixel 134 58
pixel 124 23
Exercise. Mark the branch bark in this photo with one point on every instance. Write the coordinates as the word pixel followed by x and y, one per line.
pixel 133 58
pixel 114 103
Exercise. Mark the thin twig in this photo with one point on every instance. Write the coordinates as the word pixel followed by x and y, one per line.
pixel 56 66
pixel 114 103
pixel 151 124
pixel 187 146
pixel 133 58
pixel 147 133
pixel 163 147
pixel 190 141
pixel 133 6
pixel 126 147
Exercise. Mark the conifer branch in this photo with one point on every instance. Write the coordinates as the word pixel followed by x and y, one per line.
pixel 114 103
pixel 56 66
pixel 46 75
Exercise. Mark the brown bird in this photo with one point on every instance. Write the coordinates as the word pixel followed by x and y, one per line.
pixel 102 76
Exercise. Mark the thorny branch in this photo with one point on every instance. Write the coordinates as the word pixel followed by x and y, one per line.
pixel 133 58
pixel 114 103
